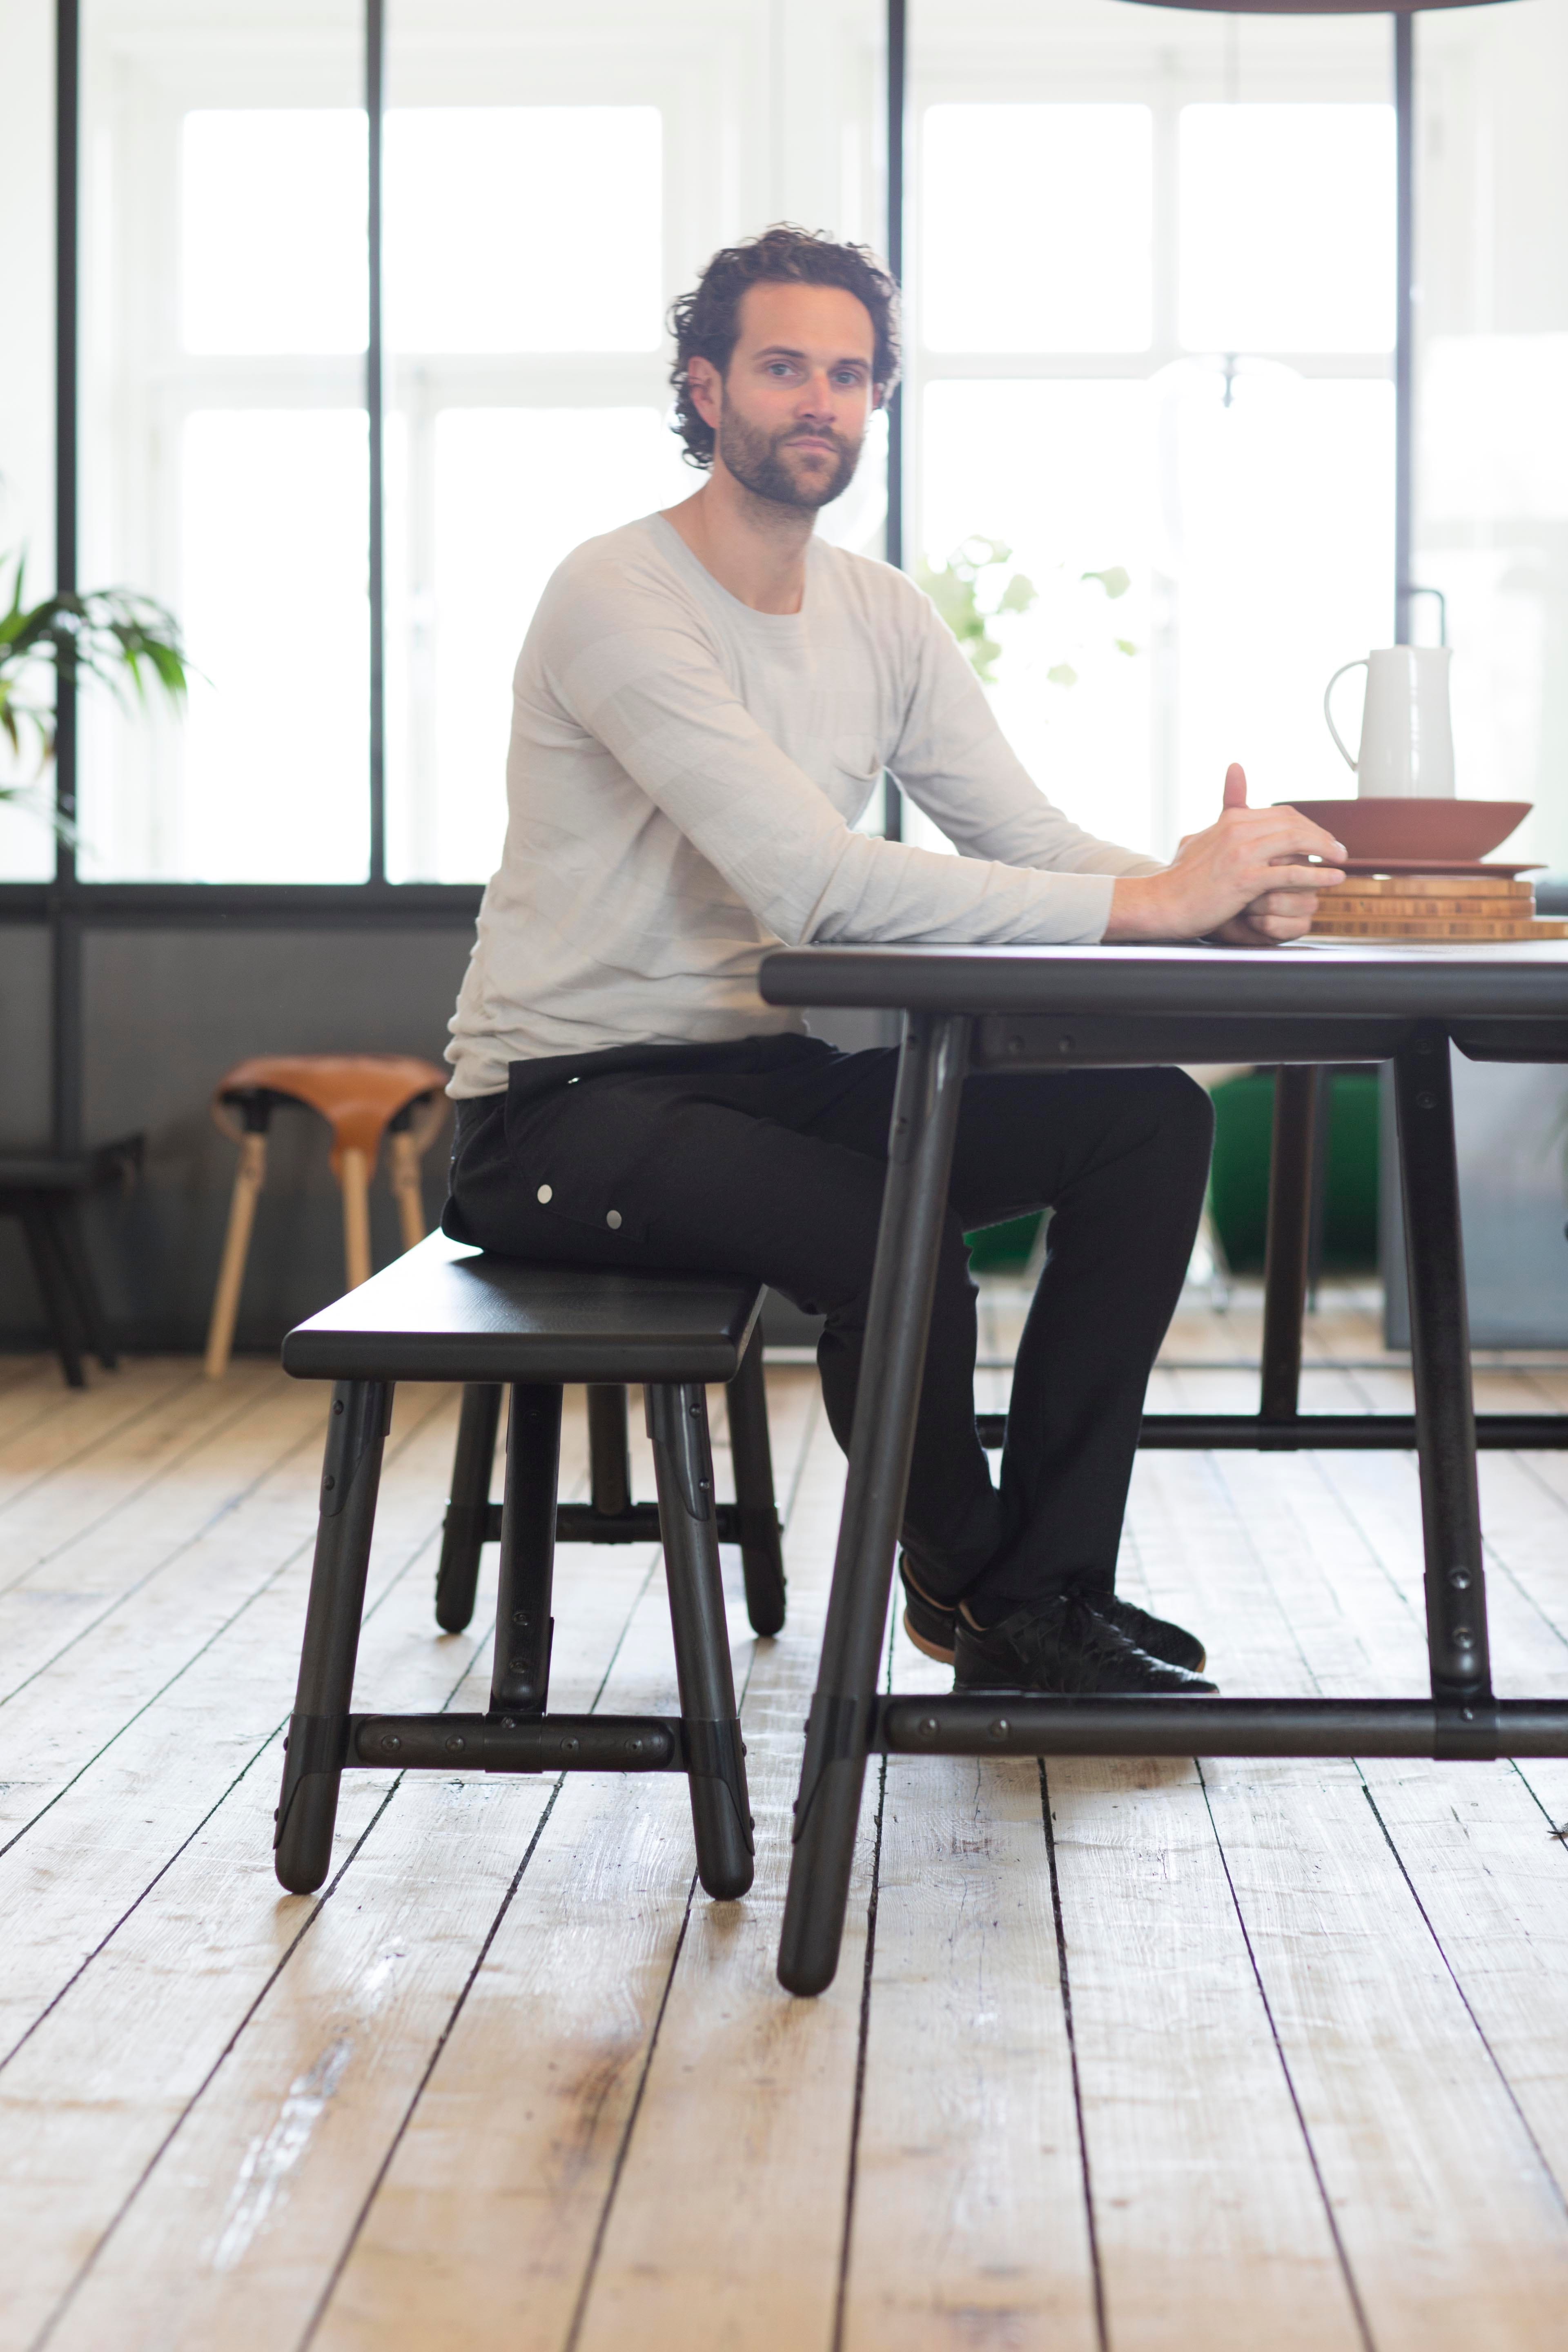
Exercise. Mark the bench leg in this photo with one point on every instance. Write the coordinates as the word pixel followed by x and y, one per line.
pixel 37 1227
pixel 720 1811
pixel 520 1680
pixel 762 1542
pixel 318 1728
pixel 468 1511
pixel 71 1251
pixel 609 1451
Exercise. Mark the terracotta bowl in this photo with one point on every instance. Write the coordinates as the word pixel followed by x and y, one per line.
pixel 1450 833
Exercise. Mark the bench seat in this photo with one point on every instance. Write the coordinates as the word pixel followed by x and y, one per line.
pixel 448 1312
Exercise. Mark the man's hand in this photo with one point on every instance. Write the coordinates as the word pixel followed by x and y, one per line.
pixel 1244 881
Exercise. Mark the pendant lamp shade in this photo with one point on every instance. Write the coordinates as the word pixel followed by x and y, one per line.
pixel 1316 7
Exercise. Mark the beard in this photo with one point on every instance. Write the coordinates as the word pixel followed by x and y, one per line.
pixel 756 460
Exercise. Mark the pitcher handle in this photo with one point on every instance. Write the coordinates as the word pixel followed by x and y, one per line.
pixel 1329 715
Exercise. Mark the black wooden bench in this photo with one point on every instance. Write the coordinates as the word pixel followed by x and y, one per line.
pixel 447 1313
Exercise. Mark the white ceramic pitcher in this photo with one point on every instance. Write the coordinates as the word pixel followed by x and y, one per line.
pixel 1406 735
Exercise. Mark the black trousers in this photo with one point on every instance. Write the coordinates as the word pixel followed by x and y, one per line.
pixel 767 1158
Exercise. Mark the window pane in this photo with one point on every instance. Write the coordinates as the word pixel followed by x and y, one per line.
pixel 223 439
pixel 1287 228
pixel 1491 476
pixel 1062 474
pixel 511 491
pixel 1257 535
pixel 276 749
pixel 478 256
pixel 272 229
pixel 1279 516
pixel 1035 229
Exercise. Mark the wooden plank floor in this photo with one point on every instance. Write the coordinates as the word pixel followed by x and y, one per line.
pixel 1162 2057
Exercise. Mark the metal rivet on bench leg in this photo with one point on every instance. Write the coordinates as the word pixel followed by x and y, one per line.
pixel 390 1740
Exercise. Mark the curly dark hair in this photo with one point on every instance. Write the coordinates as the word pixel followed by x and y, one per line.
pixel 706 322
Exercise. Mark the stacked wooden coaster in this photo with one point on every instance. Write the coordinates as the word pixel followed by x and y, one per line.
pixel 1459 906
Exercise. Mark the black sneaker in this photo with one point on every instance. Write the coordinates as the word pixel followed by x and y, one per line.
pixel 932 1626
pixel 1155 1634
pixel 1068 1649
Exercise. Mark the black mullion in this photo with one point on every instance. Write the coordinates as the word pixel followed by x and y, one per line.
pixel 897 75
pixel 1405 320
pixel 374 394
pixel 65 1042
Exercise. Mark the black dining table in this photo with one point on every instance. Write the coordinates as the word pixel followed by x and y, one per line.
pixel 1296 1009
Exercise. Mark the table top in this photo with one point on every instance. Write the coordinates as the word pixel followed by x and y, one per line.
pixel 1414 980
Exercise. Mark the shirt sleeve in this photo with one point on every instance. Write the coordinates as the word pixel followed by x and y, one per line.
pixel 635 667
pixel 956 764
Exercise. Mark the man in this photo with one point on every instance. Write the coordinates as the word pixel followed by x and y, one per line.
pixel 705 703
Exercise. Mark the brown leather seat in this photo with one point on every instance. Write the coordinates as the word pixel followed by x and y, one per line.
pixel 359 1095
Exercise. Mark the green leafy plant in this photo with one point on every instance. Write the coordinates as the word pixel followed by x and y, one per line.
pixel 972 602
pixel 124 640
pixel 954 588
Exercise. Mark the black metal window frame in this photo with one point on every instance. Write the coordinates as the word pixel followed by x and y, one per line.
pixel 68 906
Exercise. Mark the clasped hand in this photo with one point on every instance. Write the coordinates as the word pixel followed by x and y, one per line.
pixel 1244 881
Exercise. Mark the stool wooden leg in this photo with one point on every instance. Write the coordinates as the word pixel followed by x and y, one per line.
pixel 609 1451
pixel 318 1728
pixel 762 1542
pixel 463 1532
pixel 520 1681
pixel 410 1200
pixel 247 1184
pixel 353 1175
pixel 720 1811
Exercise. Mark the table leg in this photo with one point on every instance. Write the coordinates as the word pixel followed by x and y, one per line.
pixel 914 1202
pixel 1440 1361
pixel 1289 1239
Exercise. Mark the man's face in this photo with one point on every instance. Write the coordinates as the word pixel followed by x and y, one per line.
pixel 791 411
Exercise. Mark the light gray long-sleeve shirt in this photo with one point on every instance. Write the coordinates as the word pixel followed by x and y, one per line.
pixel 683 784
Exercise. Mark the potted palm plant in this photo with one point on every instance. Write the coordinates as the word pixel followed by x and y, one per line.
pixel 126 640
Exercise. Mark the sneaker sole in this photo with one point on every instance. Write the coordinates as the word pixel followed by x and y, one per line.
pixel 924 1643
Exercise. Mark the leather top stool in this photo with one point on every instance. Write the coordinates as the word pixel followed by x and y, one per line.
pixel 361 1096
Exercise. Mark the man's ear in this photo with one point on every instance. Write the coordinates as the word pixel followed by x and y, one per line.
pixel 707 387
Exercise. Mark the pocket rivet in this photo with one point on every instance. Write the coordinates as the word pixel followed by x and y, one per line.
pixel 545 1192
pixel 613 1221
